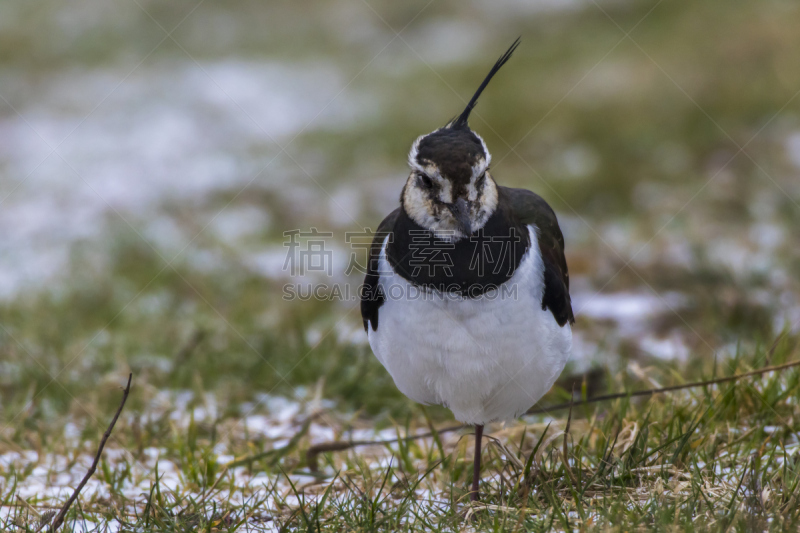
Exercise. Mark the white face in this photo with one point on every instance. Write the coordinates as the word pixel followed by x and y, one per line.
pixel 431 200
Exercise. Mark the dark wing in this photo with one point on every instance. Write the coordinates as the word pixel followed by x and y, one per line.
pixel 372 297
pixel 530 208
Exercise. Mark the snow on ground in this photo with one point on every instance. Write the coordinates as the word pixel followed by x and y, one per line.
pixel 49 478
pixel 93 146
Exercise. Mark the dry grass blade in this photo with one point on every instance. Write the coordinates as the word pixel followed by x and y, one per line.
pixel 30 507
pixel 59 519
pixel 507 454
pixel 476 507
pixel 564 455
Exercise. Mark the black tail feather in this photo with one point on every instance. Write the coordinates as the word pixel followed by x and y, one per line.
pixel 463 118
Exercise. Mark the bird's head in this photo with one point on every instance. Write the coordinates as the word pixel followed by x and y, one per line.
pixel 450 191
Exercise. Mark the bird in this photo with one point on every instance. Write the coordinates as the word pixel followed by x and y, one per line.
pixel 466 296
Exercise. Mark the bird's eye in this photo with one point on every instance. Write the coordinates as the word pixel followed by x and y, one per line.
pixel 425 181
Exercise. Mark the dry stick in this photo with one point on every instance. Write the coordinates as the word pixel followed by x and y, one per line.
pixel 336 446
pixel 651 392
pixel 59 519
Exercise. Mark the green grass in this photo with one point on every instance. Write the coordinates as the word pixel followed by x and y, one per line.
pixel 213 346
pixel 716 458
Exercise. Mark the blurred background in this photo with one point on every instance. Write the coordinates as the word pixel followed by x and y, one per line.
pixel 154 155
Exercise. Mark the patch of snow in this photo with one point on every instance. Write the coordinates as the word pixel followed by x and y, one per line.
pixel 577 161
pixel 737 257
pixel 793 148
pixel 170 131
pixel 669 348
pixel 626 307
pixel 236 222
pixel 767 236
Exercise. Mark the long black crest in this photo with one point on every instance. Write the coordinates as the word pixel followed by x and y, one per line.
pixel 463 118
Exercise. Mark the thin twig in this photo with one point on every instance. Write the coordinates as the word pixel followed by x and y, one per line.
pixel 59 519
pixel 337 446
pixel 652 392
pixel 276 454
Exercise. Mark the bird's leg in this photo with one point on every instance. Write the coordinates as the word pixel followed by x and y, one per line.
pixel 476 471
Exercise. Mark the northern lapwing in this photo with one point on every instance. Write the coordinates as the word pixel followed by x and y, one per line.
pixel 466 298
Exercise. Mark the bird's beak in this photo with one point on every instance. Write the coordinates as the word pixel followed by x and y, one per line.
pixel 460 211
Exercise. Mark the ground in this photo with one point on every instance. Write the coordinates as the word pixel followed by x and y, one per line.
pixel 157 159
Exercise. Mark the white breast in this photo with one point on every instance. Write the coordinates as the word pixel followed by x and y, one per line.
pixel 487 359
